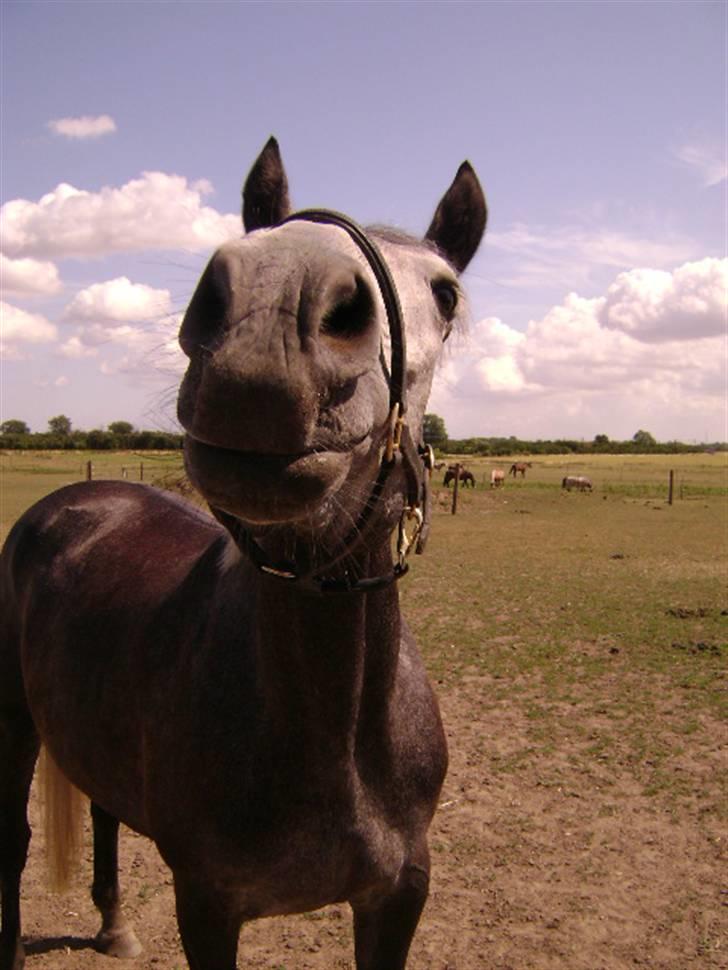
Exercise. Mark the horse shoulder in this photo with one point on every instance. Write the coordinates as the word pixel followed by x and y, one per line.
pixel 106 533
pixel 123 581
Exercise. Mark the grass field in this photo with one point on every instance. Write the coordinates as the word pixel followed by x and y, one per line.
pixel 636 475
pixel 26 476
pixel 579 644
pixel 551 594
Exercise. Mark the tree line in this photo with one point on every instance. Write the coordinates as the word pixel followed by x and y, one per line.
pixel 123 436
pixel 641 443
pixel 60 436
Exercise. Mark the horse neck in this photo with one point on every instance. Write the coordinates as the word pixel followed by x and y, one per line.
pixel 327 662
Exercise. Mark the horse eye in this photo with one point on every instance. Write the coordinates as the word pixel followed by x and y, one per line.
pixel 446 296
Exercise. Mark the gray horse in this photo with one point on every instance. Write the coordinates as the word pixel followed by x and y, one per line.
pixel 580 482
pixel 242 688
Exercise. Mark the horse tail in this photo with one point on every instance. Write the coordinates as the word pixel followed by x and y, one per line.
pixel 63 806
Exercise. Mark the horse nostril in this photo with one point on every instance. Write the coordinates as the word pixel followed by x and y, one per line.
pixel 208 307
pixel 352 312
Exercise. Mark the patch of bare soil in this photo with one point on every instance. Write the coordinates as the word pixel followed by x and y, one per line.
pixel 542 859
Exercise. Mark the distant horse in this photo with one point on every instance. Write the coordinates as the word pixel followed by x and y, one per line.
pixel 497 477
pixel 519 468
pixel 466 477
pixel 241 687
pixel 580 482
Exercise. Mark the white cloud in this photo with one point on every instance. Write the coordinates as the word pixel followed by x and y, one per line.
pixel 18 327
pixel 155 211
pixel 570 253
pixel 121 317
pixel 74 348
pixel 145 352
pixel 83 127
pixel 44 381
pixel 707 161
pixel 495 365
pixel 654 305
pixel 118 301
pixel 28 277
pixel 527 259
pixel 149 355
pixel 651 353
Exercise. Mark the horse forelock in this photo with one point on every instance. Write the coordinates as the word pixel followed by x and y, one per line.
pixel 399 237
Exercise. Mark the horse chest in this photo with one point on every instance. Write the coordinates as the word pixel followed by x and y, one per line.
pixel 296 848
pixel 350 847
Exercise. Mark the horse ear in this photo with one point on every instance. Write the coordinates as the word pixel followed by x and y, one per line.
pixel 265 194
pixel 459 221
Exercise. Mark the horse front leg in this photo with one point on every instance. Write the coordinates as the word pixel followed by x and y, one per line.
pixel 116 937
pixel 384 927
pixel 209 924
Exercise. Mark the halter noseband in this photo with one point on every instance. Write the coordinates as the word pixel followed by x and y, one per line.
pixel 399 448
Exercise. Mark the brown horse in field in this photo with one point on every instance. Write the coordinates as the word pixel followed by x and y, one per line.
pixel 242 688
pixel 519 468
pixel 466 478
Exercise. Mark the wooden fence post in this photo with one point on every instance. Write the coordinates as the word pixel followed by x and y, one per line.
pixel 141 471
pixel 89 471
pixel 455 490
pixel 670 487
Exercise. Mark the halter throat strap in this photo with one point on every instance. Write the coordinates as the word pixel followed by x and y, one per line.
pixel 399 450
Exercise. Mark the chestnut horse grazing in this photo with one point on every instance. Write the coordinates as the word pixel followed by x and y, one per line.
pixel 241 688
pixel 519 468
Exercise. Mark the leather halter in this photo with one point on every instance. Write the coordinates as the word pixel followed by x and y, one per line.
pixel 399 450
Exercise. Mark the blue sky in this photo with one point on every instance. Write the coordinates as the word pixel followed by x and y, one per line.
pixel 597 129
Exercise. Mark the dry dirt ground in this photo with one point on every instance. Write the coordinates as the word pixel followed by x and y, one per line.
pixel 540 861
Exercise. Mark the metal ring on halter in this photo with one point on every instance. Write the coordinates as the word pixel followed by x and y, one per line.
pixel 405 542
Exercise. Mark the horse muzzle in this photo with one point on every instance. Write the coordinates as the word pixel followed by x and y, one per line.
pixel 266 489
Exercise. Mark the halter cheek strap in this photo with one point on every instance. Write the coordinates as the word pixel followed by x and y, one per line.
pixel 397 377
pixel 399 449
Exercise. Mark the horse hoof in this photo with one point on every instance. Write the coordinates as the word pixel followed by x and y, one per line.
pixel 12 956
pixel 122 944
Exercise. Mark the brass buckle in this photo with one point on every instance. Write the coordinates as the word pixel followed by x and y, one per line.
pixel 394 437
pixel 405 542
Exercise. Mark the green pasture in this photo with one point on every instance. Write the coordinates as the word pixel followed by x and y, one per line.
pixel 694 475
pixel 602 617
